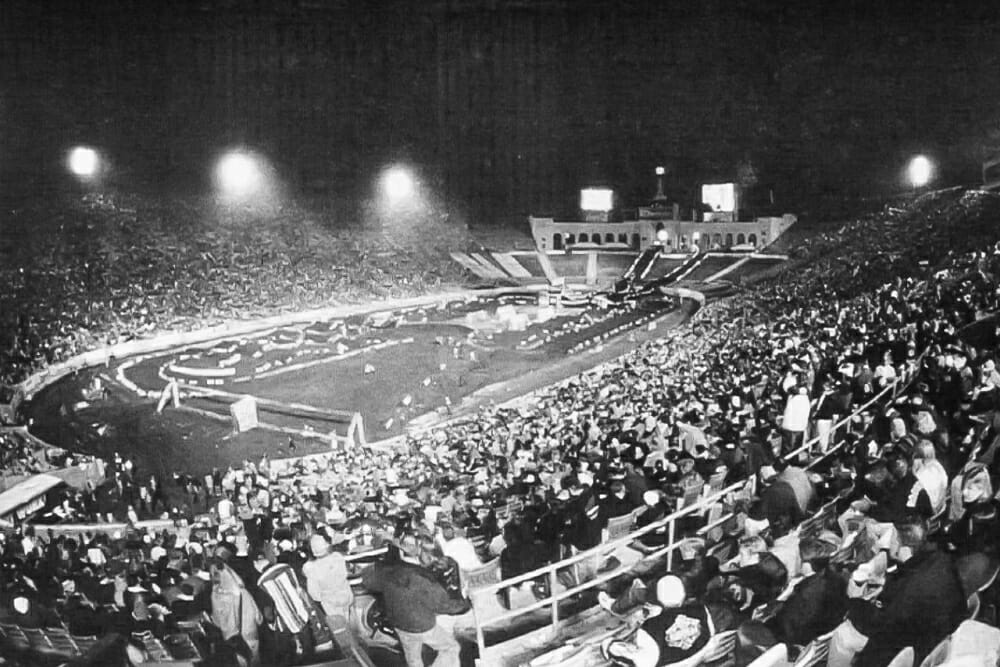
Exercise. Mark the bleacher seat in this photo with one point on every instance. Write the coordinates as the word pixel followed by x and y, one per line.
pixel 722 551
pixel 480 577
pixel 62 642
pixel 37 638
pixel 974 604
pixel 721 650
pixel 85 643
pixel 903 659
pixel 480 544
pixel 620 526
pixel 14 637
pixel 716 482
pixel 938 655
pixel 692 494
pixel 776 656
pixel 815 653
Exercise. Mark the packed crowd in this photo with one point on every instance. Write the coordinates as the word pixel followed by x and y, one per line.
pixel 21 455
pixel 734 395
pixel 110 268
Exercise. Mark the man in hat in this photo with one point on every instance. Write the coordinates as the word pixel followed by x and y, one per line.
pixel 413 599
pixel 922 603
pixel 326 581
pixel 819 602
pixel 905 494
pixel 676 629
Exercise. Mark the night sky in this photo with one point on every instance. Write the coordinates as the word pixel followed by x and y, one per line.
pixel 508 107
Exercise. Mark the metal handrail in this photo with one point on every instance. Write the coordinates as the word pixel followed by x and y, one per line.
pixel 669 521
pixel 552 569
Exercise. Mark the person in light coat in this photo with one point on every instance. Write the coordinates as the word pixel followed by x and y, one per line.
pixel 327 583
pixel 235 612
pixel 795 420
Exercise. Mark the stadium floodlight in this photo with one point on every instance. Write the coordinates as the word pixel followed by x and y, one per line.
pixel 239 174
pixel 600 200
pixel 398 184
pixel 920 171
pixel 84 162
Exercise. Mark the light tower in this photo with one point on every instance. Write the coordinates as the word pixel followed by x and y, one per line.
pixel 660 197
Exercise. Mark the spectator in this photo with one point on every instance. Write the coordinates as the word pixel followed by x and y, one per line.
pixel 676 629
pixel 413 599
pixel 818 602
pixel 922 603
pixel 326 581
pixel 978 529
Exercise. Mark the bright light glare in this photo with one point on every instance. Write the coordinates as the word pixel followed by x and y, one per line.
pixel 84 162
pixel 660 171
pixel 662 236
pixel 239 174
pixel 920 171
pixel 398 184
pixel 720 196
pixel 597 199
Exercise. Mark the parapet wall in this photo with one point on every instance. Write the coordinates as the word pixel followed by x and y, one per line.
pixel 640 234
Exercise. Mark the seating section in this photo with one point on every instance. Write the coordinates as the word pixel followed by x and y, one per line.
pixel 45 640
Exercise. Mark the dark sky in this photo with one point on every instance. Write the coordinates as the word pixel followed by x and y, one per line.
pixel 509 107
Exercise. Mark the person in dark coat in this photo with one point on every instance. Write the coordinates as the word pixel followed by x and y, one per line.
pixel 617 503
pixel 922 603
pixel 676 629
pixel 978 529
pixel 413 599
pixel 818 603
pixel 760 572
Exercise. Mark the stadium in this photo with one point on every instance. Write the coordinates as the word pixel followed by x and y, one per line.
pixel 441 363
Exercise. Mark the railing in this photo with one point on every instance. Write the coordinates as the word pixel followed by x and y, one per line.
pixel 550 572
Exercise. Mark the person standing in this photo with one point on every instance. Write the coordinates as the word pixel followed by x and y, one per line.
pixel 236 614
pixel 795 421
pixel 326 582
pixel 412 599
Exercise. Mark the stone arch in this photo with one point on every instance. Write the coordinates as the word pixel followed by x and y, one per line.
pixel 740 239
pixel 609 237
pixel 752 240
pixel 729 240
pixel 557 242
pixel 570 240
pixel 717 240
pixel 623 238
pixel 635 241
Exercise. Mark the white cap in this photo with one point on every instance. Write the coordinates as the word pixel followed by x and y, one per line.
pixel 670 591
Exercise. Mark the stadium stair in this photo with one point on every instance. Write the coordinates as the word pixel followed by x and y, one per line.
pixel 511 265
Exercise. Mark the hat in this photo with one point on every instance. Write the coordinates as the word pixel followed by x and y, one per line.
pixel 21 604
pixel 187 593
pixel 691 547
pixel 651 497
pixel 670 591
